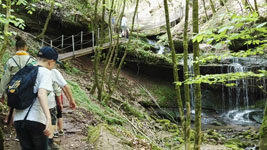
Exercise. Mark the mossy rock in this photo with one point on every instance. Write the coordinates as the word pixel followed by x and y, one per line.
pixel 105 137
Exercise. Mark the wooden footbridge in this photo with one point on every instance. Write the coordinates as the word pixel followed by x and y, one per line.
pixel 71 46
pixel 75 45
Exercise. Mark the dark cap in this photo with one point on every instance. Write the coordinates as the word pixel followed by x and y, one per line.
pixel 48 53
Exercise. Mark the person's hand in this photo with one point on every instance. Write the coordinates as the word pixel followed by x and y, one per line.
pixel 48 127
pixel 72 105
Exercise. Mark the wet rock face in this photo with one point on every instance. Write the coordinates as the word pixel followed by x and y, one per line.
pixel 57 24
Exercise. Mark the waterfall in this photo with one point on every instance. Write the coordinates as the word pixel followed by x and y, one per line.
pixel 161 49
pixel 191 86
pixel 238 95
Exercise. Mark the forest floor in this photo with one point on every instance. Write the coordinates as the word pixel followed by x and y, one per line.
pixel 76 131
pixel 76 122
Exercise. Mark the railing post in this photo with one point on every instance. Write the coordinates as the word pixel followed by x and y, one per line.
pixel 62 41
pixel 93 39
pixel 73 45
pixel 98 33
pixel 42 43
pixel 51 43
pixel 82 40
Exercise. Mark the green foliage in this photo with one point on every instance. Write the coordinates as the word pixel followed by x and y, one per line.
pixel 106 113
pixel 222 78
pixel 3 62
pixel 239 28
pixel 13 19
pixel 71 69
pixel 141 50
pixel 165 95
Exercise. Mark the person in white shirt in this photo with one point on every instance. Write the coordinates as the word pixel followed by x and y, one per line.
pixel 124 21
pixel 34 131
pixel 54 103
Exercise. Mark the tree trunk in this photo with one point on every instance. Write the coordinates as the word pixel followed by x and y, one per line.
pixel 263 130
pixel 240 5
pixel 96 57
pixel 126 50
pixel 247 5
pixel 174 62
pixel 212 7
pixel 116 54
pixel 256 7
pixel 197 89
pixel 41 35
pixel 204 4
pixel 6 36
pixel 186 76
pixel 111 47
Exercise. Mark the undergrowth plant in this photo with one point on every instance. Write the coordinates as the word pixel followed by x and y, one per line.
pixel 106 113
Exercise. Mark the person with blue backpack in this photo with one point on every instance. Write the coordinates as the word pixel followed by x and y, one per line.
pixel 14 64
pixel 27 93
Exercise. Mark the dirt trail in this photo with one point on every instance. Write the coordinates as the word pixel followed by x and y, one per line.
pixel 76 129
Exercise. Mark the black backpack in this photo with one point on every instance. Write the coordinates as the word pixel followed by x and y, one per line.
pixel 20 89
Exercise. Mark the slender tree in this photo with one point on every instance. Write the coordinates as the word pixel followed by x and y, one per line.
pixel 174 64
pixel 197 89
pixel 256 6
pixel 8 13
pixel 212 7
pixel 205 9
pixel 96 51
pixel 125 51
pixel 240 5
pixel 186 76
pixel 118 25
pixel 111 47
pixel 263 130
pixel 52 5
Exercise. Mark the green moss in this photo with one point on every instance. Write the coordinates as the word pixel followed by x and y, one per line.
pixel 235 144
pixel 165 95
pixel 132 111
pixel 106 113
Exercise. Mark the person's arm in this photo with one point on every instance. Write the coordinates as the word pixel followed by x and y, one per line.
pixel 67 92
pixel 59 102
pixel 42 97
pixel 57 91
pixel 4 81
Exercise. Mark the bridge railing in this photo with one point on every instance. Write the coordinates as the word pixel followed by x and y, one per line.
pixel 72 43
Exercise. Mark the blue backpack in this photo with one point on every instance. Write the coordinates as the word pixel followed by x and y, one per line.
pixel 20 89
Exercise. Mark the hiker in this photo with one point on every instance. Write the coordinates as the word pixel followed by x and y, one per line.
pixel 53 101
pixel 13 65
pixel 33 124
pixel 58 78
pixel 52 104
pixel 124 32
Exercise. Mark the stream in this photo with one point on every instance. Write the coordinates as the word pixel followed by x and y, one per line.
pixel 229 105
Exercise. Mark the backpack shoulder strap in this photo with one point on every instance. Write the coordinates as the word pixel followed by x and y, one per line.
pixel 28 60
pixel 16 62
pixel 29 109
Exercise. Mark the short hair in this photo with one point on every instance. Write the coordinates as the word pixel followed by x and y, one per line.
pixel 42 59
pixel 20 43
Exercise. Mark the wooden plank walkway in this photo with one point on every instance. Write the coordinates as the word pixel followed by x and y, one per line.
pixel 82 52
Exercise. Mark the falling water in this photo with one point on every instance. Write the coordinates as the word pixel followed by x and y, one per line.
pixel 238 94
pixel 161 49
pixel 191 86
